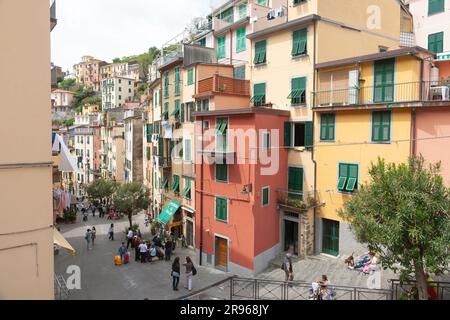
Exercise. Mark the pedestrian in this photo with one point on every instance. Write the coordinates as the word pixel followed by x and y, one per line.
pixel 287 267
pixel 94 235
pixel 137 252
pixel 111 232
pixel 93 210
pixel 122 252
pixel 189 268
pixel 176 273
pixel 129 237
pixel 100 211
pixel 143 251
pixel 168 251
pixel 88 237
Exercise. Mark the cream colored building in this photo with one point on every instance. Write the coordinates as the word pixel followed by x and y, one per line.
pixel 26 216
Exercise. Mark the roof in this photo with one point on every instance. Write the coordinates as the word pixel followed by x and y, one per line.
pixel 287 25
pixel 413 51
pixel 241 111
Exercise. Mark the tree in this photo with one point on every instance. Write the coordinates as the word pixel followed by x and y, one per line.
pixel 81 94
pixel 101 190
pixel 404 214
pixel 131 198
pixel 116 60
pixel 68 122
pixel 67 84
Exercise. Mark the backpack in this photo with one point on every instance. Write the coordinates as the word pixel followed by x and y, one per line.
pixel 194 271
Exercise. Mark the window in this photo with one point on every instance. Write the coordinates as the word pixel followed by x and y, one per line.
pixel 436 42
pixel 221 172
pixel 227 15
pixel 129 90
pixel 149 132
pixel 190 80
pixel 221 48
pixel 299 42
pixel 260 52
pixel 165 114
pixel 177 81
pixel 183 113
pixel 265 196
pixel 242 10
pixel 221 134
pixel 295 183
pixel 166 84
pixel 262 2
pixel 176 111
pixel 299 1
pixel 298 134
pixel 202 42
pixel 298 91
pixel 259 95
pixel 327 125
pixel 187 147
pixel 164 183
pixel 240 39
pixel 436 6
pixel 221 209
pixel 120 97
pixel 266 141
pixel 381 126
pixel 205 105
pixel 348 177
pixel 384 80
pixel 120 89
pixel 187 189
pixel 239 72
pixel 191 111
pixel 175 184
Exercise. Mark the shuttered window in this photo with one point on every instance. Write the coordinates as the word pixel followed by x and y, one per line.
pixel 221 172
pixel 381 126
pixel 327 126
pixel 177 81
pixel 175 184
pixel 190 80
pixel 166 84
pixel 436 6
pixel 384 80
pixel 299 42
pixel 295 183
pixel 187 189
pixel 348 177
pixel 436 42
pixel 265 196
pixel 240 39
pixel 259 95
pixel 298 91
pixel 191 111
pixel 221 53
pixel 260 52
pixel 221 209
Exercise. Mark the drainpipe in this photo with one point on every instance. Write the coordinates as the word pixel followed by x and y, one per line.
pixel 413 148
pixel 201 199
pixel 313 149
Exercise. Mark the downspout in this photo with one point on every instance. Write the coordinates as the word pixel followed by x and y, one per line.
pixel 201 198
pixel 413 113
pixel 313 149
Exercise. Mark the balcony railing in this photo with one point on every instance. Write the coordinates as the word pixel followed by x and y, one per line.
pixel 299 201
pixel 224 85
pixel 162 162
pixel 385 94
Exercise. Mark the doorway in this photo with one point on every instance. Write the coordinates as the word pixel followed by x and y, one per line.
pixel 291 235
pixel 330 237
pixel 189 233
pixel 221 253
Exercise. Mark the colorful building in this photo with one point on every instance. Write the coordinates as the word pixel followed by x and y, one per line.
pixel 133 145
pixel 61 100
pixel 116 91
pixel 87 72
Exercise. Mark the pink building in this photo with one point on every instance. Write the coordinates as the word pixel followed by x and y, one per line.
pixel 87 72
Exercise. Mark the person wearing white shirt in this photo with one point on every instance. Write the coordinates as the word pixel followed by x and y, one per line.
pixel 130 236
pixel 143 250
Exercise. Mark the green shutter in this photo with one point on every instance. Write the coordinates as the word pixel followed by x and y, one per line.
pixel 199 105
pixel 436 42
pixel 160 147
pixel 166 84
pixel 295 183
pixel 327 123
pixel 259 94
pixel 348 177
pixel 191 111
pixel 265 196
pixel 187 189
pixel 182 112
pixel 384 80
pixel 187 145
pixel 260 52
pixel 436 6
pixel 190 76
pixel 381 126
pixel 287 134
pixel 298 91
pixel 221 172
pixel 177 81
pixel 221 209
pixel 309 135
pixel 240 39
pixel 242 10
pixel 221 53
pixel 175 184
pixel 299 42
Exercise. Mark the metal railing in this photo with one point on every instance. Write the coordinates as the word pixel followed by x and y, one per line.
pixel 298 200
pixel 405 290
pixel 384 94
pixel 60 287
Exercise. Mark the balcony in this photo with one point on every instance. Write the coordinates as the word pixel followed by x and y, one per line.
pixel 223 85
pixel 410 92
pixel 162 162
pixel 53 20
pixel 297 202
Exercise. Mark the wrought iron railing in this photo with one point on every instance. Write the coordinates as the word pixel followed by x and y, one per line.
pixel 298 200
pixel 406 290
pixel 60 287
pixel 384 94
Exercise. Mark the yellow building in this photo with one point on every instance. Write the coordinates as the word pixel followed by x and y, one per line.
pixel 26 218
pixel 284 52
pixel 363 110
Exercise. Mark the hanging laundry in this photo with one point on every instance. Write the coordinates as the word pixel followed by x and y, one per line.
pixel 271 15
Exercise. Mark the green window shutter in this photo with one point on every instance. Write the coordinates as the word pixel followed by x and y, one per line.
pixel 309 135
pixel 327 123
pixel 166 111
pixel 348 177
pixel 221 53
pixel 206 105
pixel 260 52
pixel 176 111
pixel 436 42
pixel 242 10
pixel 343 176
pixel 187 189
pixel 175 187
pixel 384 80
pixel 295 183
pixel 182 112
pixel 160 147
pixel 259 94
pixel 262 2
pixel 166 84
pixel 287 134
pixel 265 196
pixel 199 105
pixel 299 42
pixel 190 76
pixel 240 39
pixel 436 6
pixel 177 81
pixel 221 209
pixel 149 132
pixel 221 172
pixel 381 126
pixel 191 111
pixel 298 91
pixel 187 146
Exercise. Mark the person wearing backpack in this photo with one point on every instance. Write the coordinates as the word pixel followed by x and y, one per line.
pixel 189 273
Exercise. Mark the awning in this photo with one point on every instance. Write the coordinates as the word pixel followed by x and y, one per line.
pixel 62 242
pixel 169 211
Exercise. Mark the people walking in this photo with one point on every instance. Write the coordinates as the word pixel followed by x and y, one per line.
pixel 168 249
pixel 137 252
pixel 287 267
pixel 189 268
pixel 94 235
pixel 88 237
pixel 111 232
pixel 129 237
pixel 143 252
pixel 176 273
pixel 123 251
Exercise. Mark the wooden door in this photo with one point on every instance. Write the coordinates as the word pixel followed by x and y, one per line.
pixel 221 253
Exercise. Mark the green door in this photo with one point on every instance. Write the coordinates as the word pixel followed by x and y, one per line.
pixel 384 80
pixel 295 183
pixel 330 237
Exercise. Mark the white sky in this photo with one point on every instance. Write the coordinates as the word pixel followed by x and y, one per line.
pixel 107 29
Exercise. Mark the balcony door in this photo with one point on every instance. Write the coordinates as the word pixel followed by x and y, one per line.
pixel 384 80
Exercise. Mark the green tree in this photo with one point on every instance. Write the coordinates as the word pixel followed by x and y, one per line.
pixel 116 60
pixel 68 122
pixel 130 198
pixel 101 190
pixel 81 94
pixel 404 214
pixel 67 84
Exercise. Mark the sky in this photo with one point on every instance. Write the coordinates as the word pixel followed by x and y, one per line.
pixel 106 29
